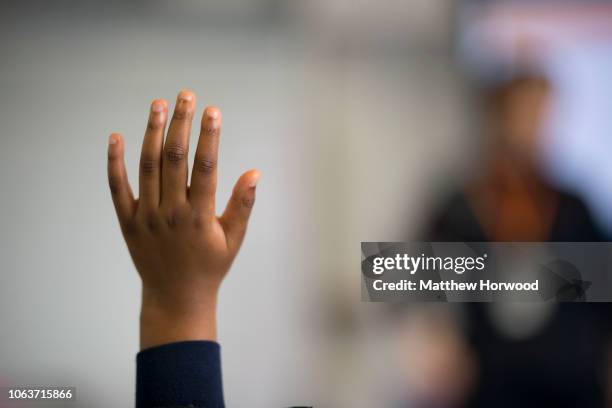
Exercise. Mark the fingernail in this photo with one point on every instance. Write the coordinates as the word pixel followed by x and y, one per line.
pixel 112 139
pixel 185 96
pixel 212 113
pixel 157 107
pixel 254 180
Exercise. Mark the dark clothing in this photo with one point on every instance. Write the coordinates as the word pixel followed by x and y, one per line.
pixel 561 365
pixel 456 222
pixel 184 374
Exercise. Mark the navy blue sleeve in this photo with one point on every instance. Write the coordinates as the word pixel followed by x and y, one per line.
pixel 183 374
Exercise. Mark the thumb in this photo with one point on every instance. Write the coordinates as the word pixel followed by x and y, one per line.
pixel 236 215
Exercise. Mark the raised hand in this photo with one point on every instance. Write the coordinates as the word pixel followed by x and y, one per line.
pixel 181 248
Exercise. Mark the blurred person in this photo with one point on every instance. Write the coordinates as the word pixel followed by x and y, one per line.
pixel 182 251
pixel 526 354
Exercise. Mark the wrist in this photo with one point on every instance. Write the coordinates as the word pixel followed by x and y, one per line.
pixel 168 318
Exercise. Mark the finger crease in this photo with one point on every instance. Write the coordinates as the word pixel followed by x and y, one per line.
pixel 211 131
pixel 205 166
pixel 175 153
pixel 148 166
pixel 248 202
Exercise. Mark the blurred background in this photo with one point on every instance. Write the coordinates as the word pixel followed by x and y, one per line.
pixel 362 116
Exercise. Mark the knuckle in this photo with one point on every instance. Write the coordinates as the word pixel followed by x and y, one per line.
pixel 129 228
pixel 181 114
pixel 175 153
pixel 198 220
pixel 148 166
pixel 172 218
pixel 150 220
pixel 211 131
pixel 204 165
pixel 248 202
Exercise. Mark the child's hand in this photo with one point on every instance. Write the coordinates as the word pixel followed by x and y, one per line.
pixel 181 249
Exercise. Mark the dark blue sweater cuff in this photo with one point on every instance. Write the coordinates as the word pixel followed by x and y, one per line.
pixel 184 374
